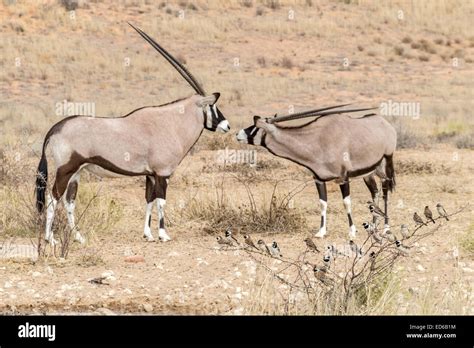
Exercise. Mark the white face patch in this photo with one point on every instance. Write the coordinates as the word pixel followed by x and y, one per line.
pixel 223 126
pixel 242 137
pixel 209 116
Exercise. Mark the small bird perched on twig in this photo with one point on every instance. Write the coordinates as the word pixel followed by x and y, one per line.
pixel 429 214
pixel 275 250
pixel 311 246
pixel 404 231
pixel 263 247
pixel 441 211
pixel 376 211
pixel 369 227
pixel 355 249
pixel 333 250
pixel 401 248
pixel 320 272
pixel 418 220
pixel 389 235
pixel 250 242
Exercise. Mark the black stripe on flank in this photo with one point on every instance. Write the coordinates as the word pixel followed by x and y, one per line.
pixel 362 171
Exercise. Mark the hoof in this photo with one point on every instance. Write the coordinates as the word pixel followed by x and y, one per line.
pixel 149 238
pixel 163 236
pixel 320 234
pixel 165 239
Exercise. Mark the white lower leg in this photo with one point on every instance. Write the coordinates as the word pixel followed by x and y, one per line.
pixel 322 228
pixel 147 231
pixel 70 207
pixel 161 217
pixel 51 207
pixel 347 205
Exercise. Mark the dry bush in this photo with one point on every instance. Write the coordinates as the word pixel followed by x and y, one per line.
pixel 272 4
pixel 213 142
pixel 466 241
pixel 465 141
pixel 287 63
pixel 398 50
pixel 407 40
pixel 353 282
pixel 406 139
pixel 218 213
pixel 262 62
pixel 246 3
pixel 407 167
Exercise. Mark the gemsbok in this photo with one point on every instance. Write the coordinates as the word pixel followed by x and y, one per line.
pixel 149 141
pixel 335 147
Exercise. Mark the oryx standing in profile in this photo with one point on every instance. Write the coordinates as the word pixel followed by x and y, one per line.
pixel 149 141
pixel 333 147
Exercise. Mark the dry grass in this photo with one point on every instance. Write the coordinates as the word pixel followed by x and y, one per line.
pixel 218 212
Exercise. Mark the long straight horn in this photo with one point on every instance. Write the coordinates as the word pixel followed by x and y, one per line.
pixel 315 113
pixel 177 65
pixel 302 114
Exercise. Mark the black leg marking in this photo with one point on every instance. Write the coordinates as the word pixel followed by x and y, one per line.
pixel 350 219
pixel 162 223
pixel 372 186
pixel 150 195
pixel 385 187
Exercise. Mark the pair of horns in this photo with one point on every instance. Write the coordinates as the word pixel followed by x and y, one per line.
pixel 177 65
pixel 315 112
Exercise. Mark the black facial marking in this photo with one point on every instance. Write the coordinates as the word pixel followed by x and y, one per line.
pixel 250 132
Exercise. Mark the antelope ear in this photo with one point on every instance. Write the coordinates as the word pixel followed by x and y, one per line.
pixel 263 124
pixel 208 100
pixel 255 119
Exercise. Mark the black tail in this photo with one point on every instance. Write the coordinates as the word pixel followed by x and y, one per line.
pixel 41 180
pixel 390 172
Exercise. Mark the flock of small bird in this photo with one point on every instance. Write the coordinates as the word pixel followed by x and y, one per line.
pixel 321 272
pixel 229 240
